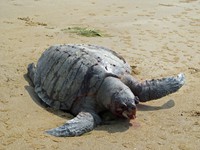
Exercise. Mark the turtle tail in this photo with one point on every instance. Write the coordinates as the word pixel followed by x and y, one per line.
pixel 31 71
pixel 155 89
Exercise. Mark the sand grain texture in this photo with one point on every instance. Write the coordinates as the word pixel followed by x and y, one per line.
pixel 158 38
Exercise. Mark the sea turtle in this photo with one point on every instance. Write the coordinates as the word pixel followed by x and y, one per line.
pixel 86 80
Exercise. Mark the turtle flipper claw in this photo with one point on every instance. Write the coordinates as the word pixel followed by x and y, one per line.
pixel 181 79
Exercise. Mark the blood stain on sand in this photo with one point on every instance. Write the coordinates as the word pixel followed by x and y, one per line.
pixel 135 124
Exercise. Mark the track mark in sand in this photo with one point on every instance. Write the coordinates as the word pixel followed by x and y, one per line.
pixel 6 122
pixel 93 3
pixel 195 22
pixel 2 134
pixel 3 110
pixel 187 1
pixel 120 7
pixel 17 4
pixel 127 40
pixel 11 138
pixel 162 137
pixel 8 22
pixel 195 113
pixel 167 5
pixel 197 124
pixel 127 145
pixel 192 113
pixel 3 101
pixel 176 59
pixel 38 146
pixel 183 146
pixel 30 22
pixel 92 14
pixel 194 70
pixel 79 144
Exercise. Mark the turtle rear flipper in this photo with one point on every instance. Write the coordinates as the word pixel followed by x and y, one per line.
pixel 31 71
pixel 82 123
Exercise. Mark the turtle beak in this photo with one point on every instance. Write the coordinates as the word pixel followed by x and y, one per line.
pixel 130 113
pixel 125 110
pixel 125 114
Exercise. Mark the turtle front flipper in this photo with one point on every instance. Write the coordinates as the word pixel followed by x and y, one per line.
pixel 156 88
pixel 82 123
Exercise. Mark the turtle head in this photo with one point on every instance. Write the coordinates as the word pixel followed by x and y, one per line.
pixel 123 104
pixel 118 98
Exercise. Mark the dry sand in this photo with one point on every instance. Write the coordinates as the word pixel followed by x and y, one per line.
pixel 160 38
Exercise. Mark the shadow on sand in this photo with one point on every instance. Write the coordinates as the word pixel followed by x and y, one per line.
pixel 30 89
pixel 169 104
pixel 110 123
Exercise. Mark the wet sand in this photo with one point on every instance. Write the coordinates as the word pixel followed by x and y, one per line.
pixel 159 38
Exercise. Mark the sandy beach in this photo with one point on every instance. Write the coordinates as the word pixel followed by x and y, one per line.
pixel 158 38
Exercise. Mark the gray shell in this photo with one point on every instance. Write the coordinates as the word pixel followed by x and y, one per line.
pixel 66 73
